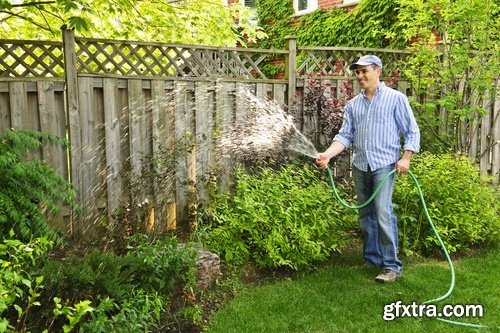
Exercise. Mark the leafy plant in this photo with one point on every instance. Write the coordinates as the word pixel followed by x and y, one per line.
pixel 96 273
pixel 128 291
pixel 19 286
pixel 74 314
pixel 462 203
pixel 159 266
pixel 141 312
pixel 277 218
pixel 30 189
pixel 148 265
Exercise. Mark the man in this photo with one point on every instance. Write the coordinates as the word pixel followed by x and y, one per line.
pixel 374 121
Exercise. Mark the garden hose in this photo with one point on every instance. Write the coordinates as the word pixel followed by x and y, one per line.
pixel 450 263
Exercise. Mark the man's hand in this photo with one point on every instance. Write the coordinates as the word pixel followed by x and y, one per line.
pixel 322 160
pixel 403 165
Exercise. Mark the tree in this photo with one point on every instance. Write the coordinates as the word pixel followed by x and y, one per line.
pixel 454 68
pixel 207 22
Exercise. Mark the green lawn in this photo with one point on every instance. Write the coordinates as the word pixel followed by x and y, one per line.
pixel 343 297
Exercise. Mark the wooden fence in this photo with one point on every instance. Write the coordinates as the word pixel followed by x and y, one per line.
pixel 125 104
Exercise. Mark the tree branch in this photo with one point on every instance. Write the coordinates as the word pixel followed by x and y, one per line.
pixel 28 4
pixel 25 19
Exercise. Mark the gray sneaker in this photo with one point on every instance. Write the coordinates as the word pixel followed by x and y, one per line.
pixel 387 276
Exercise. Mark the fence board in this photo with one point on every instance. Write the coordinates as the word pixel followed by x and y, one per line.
pixel 261 90
pixel 171 204
pixel 240 102
pixel 279 94
pixel 99 153
pixel 495 138
pixel 484 136
pixel 18 104
pixel 52 121
pixel 159 119
pixel 204 129
pixel 222 121
pixel 181 135
pixel 138 149
pixel 191 160
pixel 113 135
pixel 89 167
pixel 4 111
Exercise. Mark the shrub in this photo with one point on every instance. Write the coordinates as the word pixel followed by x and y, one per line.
pixel 141 312
pixel 462 204
pixel 27 185
pixel 17 282
pixel 128 291
pixel 152 266
pixel 277 218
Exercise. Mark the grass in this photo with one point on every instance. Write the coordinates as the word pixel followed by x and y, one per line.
pixel 343 297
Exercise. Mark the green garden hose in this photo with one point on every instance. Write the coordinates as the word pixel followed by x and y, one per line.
pixel 450 263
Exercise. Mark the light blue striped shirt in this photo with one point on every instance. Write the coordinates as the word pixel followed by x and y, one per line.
pixel 375 128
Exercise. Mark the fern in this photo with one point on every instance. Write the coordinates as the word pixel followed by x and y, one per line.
pixel 30 189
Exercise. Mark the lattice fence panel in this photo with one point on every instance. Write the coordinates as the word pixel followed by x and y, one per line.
pixel 31 59
pixel 335 61
pixel 150 59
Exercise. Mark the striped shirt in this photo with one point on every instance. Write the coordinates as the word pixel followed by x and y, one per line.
pixel 375 128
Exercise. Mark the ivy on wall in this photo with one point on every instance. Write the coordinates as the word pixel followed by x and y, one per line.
pixel 370 24
pixel 373 23
pixel 275 18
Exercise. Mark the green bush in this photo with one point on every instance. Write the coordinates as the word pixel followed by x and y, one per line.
pixel 151 266
pixel 19 287
pixel 463 205
pixel 141 312
pixel 27 185
pixel 277 218
pixel 129 290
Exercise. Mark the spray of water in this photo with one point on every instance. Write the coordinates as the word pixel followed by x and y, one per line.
pixel 266 129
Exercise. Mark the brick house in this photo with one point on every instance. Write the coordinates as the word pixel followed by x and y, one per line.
pixel 301 7
pixel 305 6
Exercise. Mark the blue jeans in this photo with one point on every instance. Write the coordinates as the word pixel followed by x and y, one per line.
pixel 379 226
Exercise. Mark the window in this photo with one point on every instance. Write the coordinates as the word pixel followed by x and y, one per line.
pixel 304 6
pixel 350 2
pixel 249 3
pixel 253 11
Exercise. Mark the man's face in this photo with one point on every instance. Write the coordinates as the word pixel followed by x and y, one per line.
pixel 368 77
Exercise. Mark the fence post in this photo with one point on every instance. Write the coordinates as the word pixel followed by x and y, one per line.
pixel 73 117
pixel 290 70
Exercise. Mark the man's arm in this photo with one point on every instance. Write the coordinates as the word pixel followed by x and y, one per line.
pixel 408 126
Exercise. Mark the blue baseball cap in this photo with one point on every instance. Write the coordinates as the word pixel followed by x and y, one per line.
pixel 366 60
